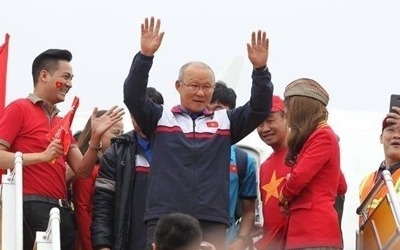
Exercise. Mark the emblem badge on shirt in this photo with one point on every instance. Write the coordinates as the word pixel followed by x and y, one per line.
pixel 212 124
pixel 233 168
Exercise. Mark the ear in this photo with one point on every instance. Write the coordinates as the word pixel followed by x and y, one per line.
pixel 178 85
pixel 381 138
pixel 43 75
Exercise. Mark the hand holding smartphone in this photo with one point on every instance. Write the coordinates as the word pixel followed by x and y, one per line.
pixel 394 102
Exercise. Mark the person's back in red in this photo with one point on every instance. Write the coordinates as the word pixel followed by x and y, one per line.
pixel 313 153
pixel 83 204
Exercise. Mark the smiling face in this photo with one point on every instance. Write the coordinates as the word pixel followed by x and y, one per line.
pixel 53 86
pixel 196 87
pixel 273 130
pixel 390 139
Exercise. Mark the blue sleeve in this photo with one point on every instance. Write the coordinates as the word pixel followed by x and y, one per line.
pixel 145 112
pixel 248 189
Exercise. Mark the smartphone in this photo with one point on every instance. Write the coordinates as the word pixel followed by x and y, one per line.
pixel 394 101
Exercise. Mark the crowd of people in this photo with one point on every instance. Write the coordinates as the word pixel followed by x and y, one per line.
pixel 177 180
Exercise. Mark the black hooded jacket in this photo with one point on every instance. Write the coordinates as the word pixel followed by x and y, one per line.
pixel 112 202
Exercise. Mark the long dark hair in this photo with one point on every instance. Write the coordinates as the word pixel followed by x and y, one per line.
pixel 303 116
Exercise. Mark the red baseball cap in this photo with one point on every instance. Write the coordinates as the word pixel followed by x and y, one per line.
pixel 277 104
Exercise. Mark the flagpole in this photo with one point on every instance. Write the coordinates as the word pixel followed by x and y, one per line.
pixel 3 71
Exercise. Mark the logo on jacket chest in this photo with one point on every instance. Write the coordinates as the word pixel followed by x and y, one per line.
pixel 212 124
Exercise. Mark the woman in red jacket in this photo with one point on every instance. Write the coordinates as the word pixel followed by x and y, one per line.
pixel 309 193
pixel 83 188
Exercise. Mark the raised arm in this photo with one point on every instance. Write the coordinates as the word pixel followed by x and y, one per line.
pixel 247 117
pixel 144 111
pixel 83 165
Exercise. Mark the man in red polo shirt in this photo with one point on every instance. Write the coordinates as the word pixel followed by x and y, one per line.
pixel 24 124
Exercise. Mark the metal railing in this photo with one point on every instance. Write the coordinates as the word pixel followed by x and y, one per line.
pixel 380 229
pixel 11 207
pixel 12 214
pixel 50 239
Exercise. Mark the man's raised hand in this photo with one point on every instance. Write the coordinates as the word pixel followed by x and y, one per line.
pixel 151 37
pixel 258 49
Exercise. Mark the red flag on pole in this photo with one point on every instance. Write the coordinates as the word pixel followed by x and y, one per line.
pixel 3 72
pixel 62 130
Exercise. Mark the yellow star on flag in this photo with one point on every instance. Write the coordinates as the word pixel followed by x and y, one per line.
pixel 271 188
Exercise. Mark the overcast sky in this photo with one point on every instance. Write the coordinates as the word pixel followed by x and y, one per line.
pixel 350 46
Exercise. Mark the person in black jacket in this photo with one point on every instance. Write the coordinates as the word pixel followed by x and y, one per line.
pixel 121 189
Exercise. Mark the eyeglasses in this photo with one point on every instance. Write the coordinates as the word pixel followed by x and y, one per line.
pixel 196 87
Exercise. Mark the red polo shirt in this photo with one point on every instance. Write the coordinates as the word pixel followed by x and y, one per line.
pixel 24 124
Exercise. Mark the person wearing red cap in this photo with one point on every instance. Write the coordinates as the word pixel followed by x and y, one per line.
pixel 313 155
pixel 273 132
pixel 390 139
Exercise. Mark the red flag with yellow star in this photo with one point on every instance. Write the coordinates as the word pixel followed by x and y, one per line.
pixel 62 130
pixel 3 72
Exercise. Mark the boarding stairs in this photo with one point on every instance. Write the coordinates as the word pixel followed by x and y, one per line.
pixel 11 214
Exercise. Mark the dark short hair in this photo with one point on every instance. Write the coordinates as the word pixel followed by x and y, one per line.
pixel 176 231
pixel 224 95
pixel 49 60
pixel 154 95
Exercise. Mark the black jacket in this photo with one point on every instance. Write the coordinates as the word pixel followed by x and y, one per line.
pixel 112 204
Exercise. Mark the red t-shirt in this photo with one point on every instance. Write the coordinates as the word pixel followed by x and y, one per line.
pixel 83 203
pixel 273 173
pixel 23 127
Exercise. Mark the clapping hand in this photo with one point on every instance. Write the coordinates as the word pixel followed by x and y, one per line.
pixel 101 124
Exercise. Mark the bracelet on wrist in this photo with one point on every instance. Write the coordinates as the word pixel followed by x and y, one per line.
pixel 99 147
